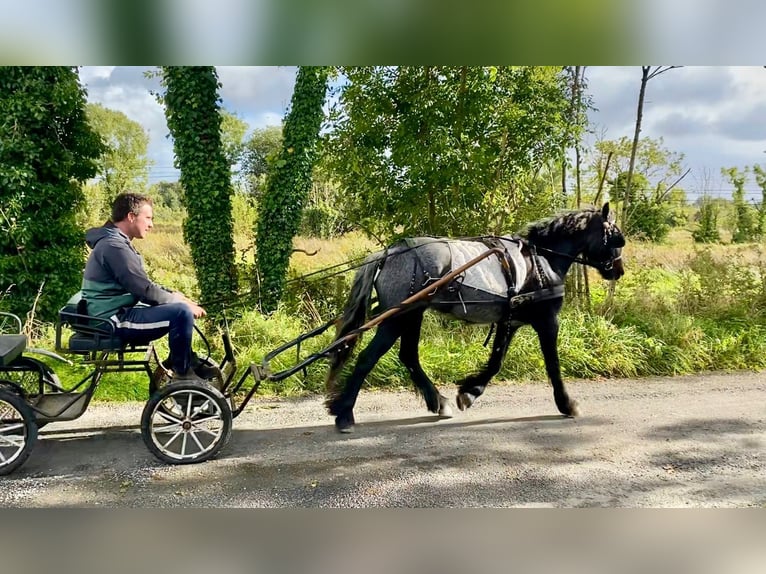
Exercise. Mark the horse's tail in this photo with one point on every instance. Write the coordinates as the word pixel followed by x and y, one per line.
pixel 353 316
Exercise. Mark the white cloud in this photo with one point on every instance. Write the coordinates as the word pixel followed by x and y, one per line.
pixel 91 73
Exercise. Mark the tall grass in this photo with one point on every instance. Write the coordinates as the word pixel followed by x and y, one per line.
pixel 679 309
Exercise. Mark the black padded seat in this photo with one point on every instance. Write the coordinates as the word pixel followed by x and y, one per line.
pixel 11 346
pixel 95 342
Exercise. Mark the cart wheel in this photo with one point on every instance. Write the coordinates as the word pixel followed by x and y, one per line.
pixel 18 431
pixel 186 422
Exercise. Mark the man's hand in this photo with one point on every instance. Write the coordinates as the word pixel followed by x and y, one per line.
pixel 196 310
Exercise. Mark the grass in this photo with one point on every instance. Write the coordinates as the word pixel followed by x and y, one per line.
pixel 681 308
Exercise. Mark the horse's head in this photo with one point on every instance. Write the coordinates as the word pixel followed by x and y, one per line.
pixel 603 248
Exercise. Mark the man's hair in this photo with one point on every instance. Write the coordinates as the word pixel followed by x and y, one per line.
pixel 128 203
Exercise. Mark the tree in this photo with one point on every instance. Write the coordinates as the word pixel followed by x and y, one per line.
pixel 646 74
pixel 707 231
pixel 289 182
pixel 745 218
pixel 760 179
pixel 657 172
pixel 192 108
pixel 124 166
pixel 444 150
pixel 233 130
pixel 47 152
pixel 168 194
pixel 261 147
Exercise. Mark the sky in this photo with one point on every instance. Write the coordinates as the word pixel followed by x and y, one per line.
pixel 713 115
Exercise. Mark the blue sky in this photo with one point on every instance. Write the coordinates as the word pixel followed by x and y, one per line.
pixel 713 115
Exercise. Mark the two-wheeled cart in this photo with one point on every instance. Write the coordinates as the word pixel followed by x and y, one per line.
pixel 182 422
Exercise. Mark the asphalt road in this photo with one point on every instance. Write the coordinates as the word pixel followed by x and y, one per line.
pixel 667 442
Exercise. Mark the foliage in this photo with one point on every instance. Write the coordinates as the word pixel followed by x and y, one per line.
pixel 289 183
pixel 233 130
pixel 745 217
pixel 760 179
pixel 651 212
pixel 261 148
pixel 47 151
pixel 648 216
pixel 440 150
pixel 124 166
pixel 168 195
pixel 192 110
pixel 707 231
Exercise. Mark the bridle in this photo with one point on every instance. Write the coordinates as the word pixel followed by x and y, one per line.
pixel 606 265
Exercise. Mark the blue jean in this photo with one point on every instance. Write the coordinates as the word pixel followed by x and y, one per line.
pixel 142 324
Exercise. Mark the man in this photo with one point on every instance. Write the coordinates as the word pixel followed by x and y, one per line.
pixel 116 287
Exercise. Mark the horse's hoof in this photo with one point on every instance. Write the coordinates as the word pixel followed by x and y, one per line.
pixel 445 410
pixel 571 410
pixel 574 410
pixel 344 424
pixel 464 400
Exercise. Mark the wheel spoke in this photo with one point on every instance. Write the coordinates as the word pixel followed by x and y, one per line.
pixel 196 440
pixel 13 440
pixel 174 437
pixel 10 428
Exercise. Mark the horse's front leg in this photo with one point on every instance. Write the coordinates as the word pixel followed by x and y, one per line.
pixel 409 355
pixel 548 333
pixel 473 386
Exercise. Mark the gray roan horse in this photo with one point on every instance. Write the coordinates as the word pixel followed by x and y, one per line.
pixel 523 286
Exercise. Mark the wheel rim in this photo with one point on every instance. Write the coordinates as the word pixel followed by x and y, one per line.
pixel 13 433
pixel 187 424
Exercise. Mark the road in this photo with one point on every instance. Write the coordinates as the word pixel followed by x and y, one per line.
pixel 696 441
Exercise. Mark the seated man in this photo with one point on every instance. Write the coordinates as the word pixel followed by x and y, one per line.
pixel 116 287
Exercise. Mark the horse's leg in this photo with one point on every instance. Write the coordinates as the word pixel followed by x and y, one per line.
pixel 408 354
pixel 472 387
pixel 547 330
pixel 342 405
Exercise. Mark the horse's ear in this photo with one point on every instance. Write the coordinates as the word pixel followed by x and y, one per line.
pixel 605 211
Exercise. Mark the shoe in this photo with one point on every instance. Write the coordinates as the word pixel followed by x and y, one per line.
pixel 206 371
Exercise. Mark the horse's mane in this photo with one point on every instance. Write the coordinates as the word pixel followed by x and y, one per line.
pixel 565 223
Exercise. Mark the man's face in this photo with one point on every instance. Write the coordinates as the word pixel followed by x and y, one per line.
pixel 141 224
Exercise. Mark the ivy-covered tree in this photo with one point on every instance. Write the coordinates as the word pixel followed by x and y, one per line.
pixel 760 179
pixel 445 150
pixel 192 108
pixel 47 152
pixel 745 218
pixel 707 231
pixel 289 182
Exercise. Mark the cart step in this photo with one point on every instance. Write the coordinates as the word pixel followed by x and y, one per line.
pixel 47 407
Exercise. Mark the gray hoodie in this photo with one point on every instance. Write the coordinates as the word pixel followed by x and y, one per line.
pixel 114 275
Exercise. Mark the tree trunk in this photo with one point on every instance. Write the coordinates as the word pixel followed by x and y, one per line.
pixel 639 115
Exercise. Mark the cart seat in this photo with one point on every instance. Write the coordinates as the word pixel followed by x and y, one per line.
pixel 11 346
pixel 89 333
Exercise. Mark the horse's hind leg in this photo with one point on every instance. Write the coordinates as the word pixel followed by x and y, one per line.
pixel 342 404
pixel 408 354
pixel 473 386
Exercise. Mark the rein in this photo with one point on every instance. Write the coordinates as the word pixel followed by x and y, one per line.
pixel 605 265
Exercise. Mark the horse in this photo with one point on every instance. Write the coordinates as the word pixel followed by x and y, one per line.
pixel 520 283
